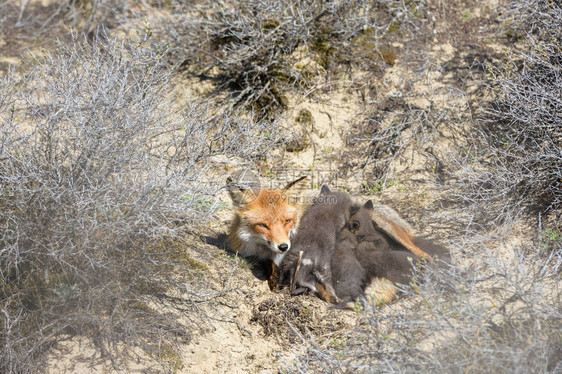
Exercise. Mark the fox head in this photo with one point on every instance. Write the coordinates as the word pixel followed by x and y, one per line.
pixel 360 223
pixel 267 216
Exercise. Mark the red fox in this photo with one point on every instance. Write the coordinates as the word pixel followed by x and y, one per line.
pixel 265 220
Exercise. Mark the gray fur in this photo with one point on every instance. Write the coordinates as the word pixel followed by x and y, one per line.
pixel 348 275
pixel 364 252
pixel 316 238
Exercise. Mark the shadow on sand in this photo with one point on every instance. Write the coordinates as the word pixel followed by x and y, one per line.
pixel 260 269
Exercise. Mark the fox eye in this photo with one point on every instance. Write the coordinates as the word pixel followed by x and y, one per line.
pixel 354 226
pixel 288 220
pixel 262 225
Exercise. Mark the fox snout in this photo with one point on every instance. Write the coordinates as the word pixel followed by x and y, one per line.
pixel 279 248
pixel 277 236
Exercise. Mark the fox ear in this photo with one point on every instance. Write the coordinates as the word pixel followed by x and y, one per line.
pixel 369 205
pixel 354 209
pixel 296 187
pixel 240 196
pixel 325 189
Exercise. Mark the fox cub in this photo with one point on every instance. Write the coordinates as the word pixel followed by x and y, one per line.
pixel 307 265
pixel 366 251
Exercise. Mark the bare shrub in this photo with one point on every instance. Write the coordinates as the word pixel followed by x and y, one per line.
pixel 262 50
pixel 25 24
pixel 101 173
pixel 397 129
pixel 515 164
pixel 252 44
pixel 412 113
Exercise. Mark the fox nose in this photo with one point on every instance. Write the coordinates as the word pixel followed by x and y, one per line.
pixel 283 247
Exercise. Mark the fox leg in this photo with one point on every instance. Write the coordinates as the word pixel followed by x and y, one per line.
pixel 325 289
pixel 305 276
pixel 318 288
pixel 325 294
pixel 317 279
pixel 286 275
pixel 303 279
pixel 273 280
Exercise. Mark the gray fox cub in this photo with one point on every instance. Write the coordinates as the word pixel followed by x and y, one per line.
pixel 365 251
pixel 307 265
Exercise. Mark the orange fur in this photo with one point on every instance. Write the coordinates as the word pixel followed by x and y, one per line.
pixel 264 222
pixel 398 231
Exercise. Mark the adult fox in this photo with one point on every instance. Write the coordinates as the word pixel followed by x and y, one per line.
pixel 265 220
